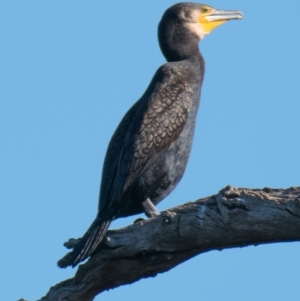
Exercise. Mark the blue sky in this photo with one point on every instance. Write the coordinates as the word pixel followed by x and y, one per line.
pixel 69 70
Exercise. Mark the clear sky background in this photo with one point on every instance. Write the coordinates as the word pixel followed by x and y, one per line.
pixel 69 70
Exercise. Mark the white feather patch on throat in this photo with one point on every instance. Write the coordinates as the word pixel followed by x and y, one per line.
pixel 197 29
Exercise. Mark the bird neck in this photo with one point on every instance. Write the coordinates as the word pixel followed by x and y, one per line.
pixel 174 53
pixel 185 53
pixel 177 43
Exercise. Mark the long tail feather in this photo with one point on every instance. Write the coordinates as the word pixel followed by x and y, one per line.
pixel 88 242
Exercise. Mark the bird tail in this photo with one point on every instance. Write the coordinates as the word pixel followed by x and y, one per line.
pixel 87 244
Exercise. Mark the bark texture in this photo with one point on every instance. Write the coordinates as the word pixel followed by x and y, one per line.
pixel 231 218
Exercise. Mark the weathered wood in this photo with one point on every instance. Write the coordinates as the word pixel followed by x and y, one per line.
pixel 232 218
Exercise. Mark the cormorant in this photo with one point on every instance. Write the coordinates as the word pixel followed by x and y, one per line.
pixel 149 151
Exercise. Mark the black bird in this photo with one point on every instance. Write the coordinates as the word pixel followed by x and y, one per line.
pixel 149 151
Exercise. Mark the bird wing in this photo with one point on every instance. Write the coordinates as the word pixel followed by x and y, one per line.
pixel 151 127
pixel 114 149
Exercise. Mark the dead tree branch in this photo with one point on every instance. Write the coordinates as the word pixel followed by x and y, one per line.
pixel 231 218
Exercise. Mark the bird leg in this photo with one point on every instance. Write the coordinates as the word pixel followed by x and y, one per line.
pixel 149 208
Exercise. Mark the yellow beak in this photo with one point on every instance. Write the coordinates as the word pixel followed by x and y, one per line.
pixel 214 18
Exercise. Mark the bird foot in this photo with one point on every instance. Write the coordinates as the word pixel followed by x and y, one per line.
pixel 149 208
pixel 138 220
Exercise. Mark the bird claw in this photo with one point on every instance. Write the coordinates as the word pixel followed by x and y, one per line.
pixel 138 220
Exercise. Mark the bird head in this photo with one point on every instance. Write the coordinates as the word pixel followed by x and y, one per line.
pixel 203 19
pixel 185 24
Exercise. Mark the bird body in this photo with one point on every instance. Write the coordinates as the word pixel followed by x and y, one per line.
pixel 156 145
pixel 149 151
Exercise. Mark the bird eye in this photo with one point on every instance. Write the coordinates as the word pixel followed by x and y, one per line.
pixel 204 9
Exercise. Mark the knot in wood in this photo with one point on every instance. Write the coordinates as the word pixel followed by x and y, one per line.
pixel 167 217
